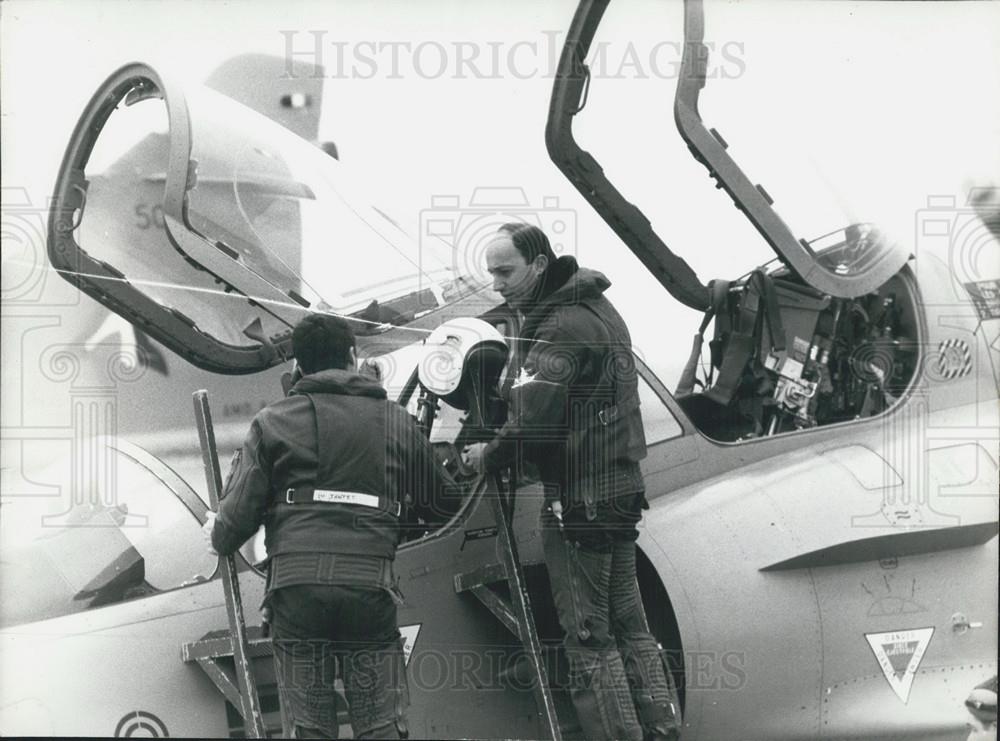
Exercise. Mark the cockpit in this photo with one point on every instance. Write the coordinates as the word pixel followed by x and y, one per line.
pixel 784 357
pixel 825 332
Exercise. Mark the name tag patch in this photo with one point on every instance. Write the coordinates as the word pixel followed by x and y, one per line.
pixel 345 497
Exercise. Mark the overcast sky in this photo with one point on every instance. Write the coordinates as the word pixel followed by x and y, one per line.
pixel 844 111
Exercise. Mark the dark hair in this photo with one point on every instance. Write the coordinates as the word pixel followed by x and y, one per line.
pixel 529 240
pixel 321 342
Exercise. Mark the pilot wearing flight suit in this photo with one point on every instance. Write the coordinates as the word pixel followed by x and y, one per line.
pixel 574 415
pixel 326 470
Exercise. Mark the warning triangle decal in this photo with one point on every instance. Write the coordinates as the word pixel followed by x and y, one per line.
pixel 899 653
pixel 409 634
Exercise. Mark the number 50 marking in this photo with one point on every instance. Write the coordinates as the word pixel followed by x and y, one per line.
pixel 147 216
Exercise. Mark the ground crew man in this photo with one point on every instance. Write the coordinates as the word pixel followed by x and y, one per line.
pixel 574 415
pixel 326 470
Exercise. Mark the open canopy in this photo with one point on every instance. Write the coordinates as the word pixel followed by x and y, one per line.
pixel 858 261
pixel 216 229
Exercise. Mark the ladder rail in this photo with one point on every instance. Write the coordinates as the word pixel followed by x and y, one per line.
pixel 249 705
pixel 503 511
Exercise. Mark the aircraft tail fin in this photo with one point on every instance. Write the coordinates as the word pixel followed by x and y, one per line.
pixel 285 90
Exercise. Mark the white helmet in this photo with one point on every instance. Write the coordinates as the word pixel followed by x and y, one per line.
pixel 450 351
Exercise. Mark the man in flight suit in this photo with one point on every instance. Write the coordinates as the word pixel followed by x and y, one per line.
pixel 574 415
pixel 326 470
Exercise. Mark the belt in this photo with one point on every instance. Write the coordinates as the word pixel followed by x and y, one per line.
pixel 307 495
pixel 344 569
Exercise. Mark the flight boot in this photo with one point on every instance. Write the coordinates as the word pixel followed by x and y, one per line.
pixel 600 695
pixel 651 686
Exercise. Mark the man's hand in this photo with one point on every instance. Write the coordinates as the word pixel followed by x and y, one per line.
pixel 206 531
pixel 370 369
pixel 557 511
pixel 288 380
pixel 472 456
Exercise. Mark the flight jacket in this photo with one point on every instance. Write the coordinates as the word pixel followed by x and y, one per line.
pixel 572 393
pixel 335 432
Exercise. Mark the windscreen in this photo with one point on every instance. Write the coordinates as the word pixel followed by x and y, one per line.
pixel 123 223
pixel 293 216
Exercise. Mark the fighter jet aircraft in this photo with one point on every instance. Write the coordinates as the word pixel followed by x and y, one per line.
pixel 820 556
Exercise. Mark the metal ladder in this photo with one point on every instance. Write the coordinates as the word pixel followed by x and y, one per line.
pixel 242 693
pixel 243 645
pixel 517 616
pixel 213 653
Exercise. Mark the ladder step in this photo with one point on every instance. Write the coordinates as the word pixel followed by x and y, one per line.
pixel 500 609
pixel 218 644
pixel 489 574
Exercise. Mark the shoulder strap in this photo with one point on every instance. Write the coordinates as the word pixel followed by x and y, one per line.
pixel 719 290
pixel 743 343
pixel 772 312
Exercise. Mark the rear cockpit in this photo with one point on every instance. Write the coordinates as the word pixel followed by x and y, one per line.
pixel 784 357
pixel 829 335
